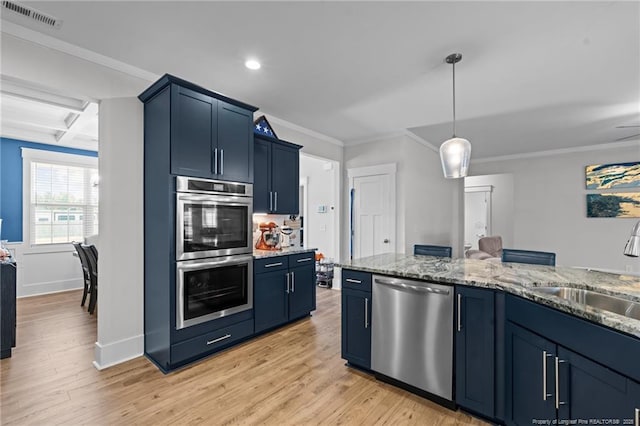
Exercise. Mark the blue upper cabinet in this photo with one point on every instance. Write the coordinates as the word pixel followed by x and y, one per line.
pixel 276 176
pixel 211 135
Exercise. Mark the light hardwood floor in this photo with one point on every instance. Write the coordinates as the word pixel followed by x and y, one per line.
pixel 292 376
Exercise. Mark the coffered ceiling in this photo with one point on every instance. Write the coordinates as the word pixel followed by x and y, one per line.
pixel 534 75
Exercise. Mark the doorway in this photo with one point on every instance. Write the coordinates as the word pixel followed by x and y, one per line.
pixel 372 210
pixel 477 214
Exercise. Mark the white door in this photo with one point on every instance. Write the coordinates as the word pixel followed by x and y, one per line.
pixel 372 212
pixel 477 215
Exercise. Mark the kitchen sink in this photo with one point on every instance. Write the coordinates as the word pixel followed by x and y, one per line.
pixel 596 300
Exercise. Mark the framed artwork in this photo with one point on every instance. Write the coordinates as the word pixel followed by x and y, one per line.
pixel 620 204
pixel 613 176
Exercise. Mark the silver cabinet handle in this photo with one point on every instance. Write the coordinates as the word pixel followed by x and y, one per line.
pixel 275 202
pixel 459 310
pixel 225 337
pixel 558 402
pixel 293 282
pixel 545 355
pixel 351 280
pixel 270 201
pixel 221 162
pixel 288 282
pixel 637 416
pixel 215 161
pixel 366 312
pixel 271 265
pixel 413 287
pixel 304 260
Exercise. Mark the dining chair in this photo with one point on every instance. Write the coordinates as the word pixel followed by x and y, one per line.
pixel 85 271
pixel 529 256
pixel 93 275
pixel 427 250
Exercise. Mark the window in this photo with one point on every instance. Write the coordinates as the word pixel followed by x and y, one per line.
pixel 62 197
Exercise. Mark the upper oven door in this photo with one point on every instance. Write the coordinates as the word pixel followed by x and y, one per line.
pixel 211 225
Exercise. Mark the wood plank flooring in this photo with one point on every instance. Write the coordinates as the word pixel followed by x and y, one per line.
pixel 293 376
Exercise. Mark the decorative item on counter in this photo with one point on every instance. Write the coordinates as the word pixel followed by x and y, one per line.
pixel 287 233
pixel 269 237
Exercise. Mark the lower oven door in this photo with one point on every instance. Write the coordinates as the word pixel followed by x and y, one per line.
pixel 212 288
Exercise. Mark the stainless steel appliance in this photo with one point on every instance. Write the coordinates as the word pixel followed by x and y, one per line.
pixel 212 288
pixel 213 218
pixel 412 333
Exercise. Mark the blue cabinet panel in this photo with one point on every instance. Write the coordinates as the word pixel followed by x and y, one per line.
pixel 271 301
pixel 302 296
pixel 475 350
pixel 356 327
pixel 530 377
pixel 262 176
pixel 193 128
pixel 235 143
pixel 285 178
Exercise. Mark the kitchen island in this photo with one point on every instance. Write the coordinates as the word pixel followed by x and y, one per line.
pixel 525 347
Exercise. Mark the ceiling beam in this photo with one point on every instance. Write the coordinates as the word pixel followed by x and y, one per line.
pixel 76 122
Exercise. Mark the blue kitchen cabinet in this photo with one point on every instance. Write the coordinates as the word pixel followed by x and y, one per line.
pixel 356 318
pixel 211 136
pixel 530 376
pixel 302 292
pixel 475 350
pixel 588 390
pixel 284 289
pixel 276 176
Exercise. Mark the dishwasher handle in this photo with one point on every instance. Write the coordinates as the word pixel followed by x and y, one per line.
pixel 418 289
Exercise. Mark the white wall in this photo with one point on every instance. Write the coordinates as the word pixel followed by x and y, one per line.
pixel 120 295
pixel 429 207
pixel 550 208
pixel 501 203
pixel 321 183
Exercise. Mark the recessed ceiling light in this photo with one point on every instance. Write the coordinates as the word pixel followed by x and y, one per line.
pixel 252 64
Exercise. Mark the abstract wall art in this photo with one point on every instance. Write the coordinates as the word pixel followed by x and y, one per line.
pixel 613 176
pixel 620 204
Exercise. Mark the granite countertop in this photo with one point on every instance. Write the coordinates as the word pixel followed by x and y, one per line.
pixel 515 278
pixel 260 254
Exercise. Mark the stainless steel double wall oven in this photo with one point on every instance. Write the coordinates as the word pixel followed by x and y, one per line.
pixel 214 250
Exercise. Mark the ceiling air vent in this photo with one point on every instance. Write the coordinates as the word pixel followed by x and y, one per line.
pixel 32 14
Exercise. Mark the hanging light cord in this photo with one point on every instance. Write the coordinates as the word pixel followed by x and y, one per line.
pixel 454 98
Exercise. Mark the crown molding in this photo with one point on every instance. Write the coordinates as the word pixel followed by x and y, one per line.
pixel 272 119
pixel 562 151
pixel 421 141
pixel 376 138
pixel 44 40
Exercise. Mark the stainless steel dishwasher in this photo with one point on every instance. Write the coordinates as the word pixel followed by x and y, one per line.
pixel 412 333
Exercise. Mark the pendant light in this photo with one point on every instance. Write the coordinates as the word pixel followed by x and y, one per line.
pixel 455 153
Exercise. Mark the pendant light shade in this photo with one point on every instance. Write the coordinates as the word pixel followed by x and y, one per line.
pixel 632 248
pixel 455 153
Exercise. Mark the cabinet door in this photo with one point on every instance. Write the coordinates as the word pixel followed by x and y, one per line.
pixel 262 176
pixel 302 297
pixel 270 299
pixel 235 143
pixel 591 391
pixel 356 327
pixel 530 376
pixel 285 179
pixel 193 129
pixel 475 353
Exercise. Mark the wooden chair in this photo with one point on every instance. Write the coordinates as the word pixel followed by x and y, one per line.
pixel 85 271
pixel 427 250
pixel 528 256
pixel 93 275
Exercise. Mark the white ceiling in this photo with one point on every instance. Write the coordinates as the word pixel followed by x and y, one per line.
pixel 534 76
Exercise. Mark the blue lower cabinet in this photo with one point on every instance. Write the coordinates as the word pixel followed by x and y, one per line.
pixel 210 342
pixel 356 327
pixel 284 289
pixel 529 376
pixel 475 350
pixel 588 390
pixel 270 299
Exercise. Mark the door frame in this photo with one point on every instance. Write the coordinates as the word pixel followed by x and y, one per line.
pixel 389 169
pixel 487 189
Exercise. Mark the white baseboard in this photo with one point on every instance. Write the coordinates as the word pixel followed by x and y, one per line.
pixel 110 354
pixel 48 287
